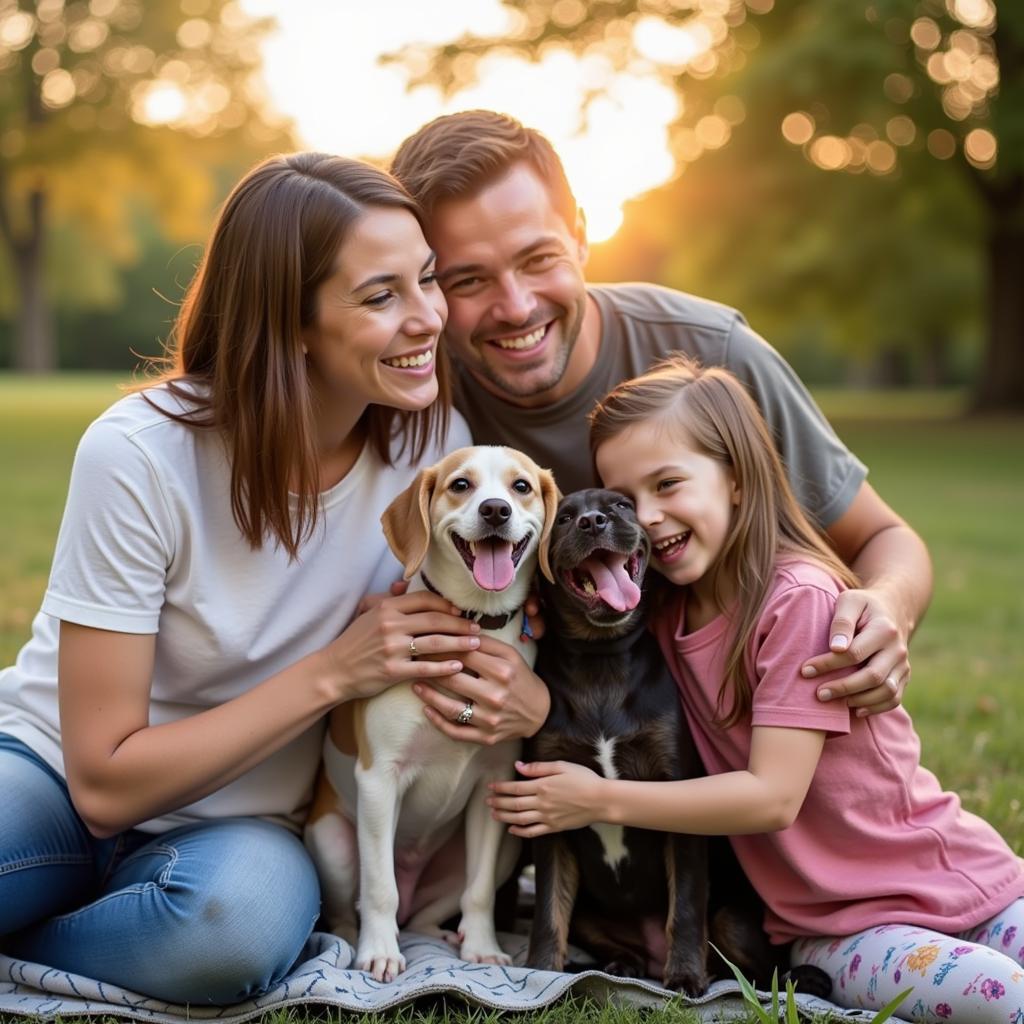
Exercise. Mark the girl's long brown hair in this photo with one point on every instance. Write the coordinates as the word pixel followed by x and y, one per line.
pixel 235 356
pixel 715 410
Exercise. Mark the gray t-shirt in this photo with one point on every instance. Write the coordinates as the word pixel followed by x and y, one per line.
pixel 640 325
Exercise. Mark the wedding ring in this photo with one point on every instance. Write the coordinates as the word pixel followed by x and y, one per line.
pixel 465 714
pixel 412 648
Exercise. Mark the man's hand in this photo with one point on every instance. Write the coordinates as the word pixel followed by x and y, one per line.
pixel 864 633
pixel 556 796
pixel 509 701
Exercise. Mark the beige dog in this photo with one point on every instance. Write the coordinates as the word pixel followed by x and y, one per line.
pixel 471 528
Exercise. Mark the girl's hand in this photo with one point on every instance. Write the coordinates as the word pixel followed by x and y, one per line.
pixel 384 645
pixel 533 615
pixel 556 796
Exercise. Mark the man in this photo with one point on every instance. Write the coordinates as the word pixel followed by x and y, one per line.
pixel 535 348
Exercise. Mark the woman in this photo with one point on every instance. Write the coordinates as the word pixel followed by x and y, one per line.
pixel 220 530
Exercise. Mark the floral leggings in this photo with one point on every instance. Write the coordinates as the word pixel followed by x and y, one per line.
pixel 975 977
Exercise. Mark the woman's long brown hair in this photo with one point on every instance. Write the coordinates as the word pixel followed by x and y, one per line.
pixel 715 410
pixel 235 357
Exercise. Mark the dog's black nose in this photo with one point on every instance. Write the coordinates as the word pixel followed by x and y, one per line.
pixel 495 512
pixel 592 522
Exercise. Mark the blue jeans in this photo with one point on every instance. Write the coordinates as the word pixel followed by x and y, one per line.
pixel 215 912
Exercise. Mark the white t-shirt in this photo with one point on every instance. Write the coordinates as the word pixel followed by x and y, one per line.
pixel 148 544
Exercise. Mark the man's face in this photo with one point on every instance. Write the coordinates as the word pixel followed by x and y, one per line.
pixel 512 272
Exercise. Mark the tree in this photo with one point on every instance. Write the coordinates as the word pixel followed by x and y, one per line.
pixel 847 274
pixel 888 90
pixel 105 102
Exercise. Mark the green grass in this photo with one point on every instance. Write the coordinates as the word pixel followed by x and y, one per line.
pixel 958 481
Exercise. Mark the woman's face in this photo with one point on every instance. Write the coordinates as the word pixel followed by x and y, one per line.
pixel 379 317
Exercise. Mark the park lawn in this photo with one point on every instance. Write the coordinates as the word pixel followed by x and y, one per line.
pixel 957 480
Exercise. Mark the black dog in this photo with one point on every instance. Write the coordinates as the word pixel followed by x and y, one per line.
pixel 615 709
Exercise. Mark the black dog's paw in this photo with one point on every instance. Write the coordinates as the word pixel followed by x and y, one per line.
pixel 810 980
pixel 626 965
pixel 690 981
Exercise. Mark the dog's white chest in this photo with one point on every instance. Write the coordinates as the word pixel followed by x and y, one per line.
pixel 612 836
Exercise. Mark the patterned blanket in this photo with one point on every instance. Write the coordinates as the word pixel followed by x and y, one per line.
pixel 323 977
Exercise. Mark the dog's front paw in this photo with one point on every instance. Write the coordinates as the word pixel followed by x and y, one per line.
pixel 482 947
pixel 626 965
pixel 691 981
pixel 492 955
pixel 810 980
pixel 379 954
pixel 480 944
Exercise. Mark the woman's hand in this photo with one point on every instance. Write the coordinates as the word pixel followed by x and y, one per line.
pixel 864 632
pixel 556 796
pixel 384 645
pixel 508 700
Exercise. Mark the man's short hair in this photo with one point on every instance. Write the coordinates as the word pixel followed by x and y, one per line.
pixel 457 156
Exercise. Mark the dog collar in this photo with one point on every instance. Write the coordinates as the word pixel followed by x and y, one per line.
pixel 485 621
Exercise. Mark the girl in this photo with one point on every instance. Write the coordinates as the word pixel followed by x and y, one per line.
pixel 222 525
pixel 859 856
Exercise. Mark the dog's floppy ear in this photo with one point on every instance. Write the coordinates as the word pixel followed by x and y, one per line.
pixel 552 496
pixel 406 521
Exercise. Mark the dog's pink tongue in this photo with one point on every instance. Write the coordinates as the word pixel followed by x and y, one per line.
pixel 614 586
pixel 492 566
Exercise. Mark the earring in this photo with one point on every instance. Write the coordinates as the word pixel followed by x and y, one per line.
pixel 305 351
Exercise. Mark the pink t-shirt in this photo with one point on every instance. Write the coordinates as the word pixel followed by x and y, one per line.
pixel 877 841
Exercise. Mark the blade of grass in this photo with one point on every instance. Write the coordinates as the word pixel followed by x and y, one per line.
pixel 890 1008
pixel 749 994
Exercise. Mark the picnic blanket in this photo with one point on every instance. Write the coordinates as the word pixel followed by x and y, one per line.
pixel 324 977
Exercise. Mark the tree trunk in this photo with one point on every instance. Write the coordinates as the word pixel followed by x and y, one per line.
pixel 35 348
pixel 1001 383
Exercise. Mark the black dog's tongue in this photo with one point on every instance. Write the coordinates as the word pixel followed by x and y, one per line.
pixel 614 587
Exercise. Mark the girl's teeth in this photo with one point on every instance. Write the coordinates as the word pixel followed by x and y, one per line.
pixel 526 341
pixel 671 542
pixel 406 361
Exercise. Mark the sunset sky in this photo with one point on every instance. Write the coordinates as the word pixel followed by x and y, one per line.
pixel 321 69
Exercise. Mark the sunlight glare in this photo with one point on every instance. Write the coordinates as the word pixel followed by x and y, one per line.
pixel 163 103
pixel 673 45
pixel 321 69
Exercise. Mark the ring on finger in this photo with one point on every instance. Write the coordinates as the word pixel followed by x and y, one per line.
pixel 465 715
pixel 412 648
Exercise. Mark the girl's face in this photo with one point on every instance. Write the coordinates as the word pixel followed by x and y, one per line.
pixel 684 499
pixel 379 317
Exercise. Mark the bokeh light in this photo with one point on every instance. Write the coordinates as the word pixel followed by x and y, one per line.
pixel 901 130
pixel 798 128
pixel 941 144
pixel 980 147
pixel 925 33
pixel 830 152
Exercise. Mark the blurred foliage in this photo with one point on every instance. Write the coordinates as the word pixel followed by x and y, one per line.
pixel 106 106
pixel 109 315
pixel 854 171
pixel 884 276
